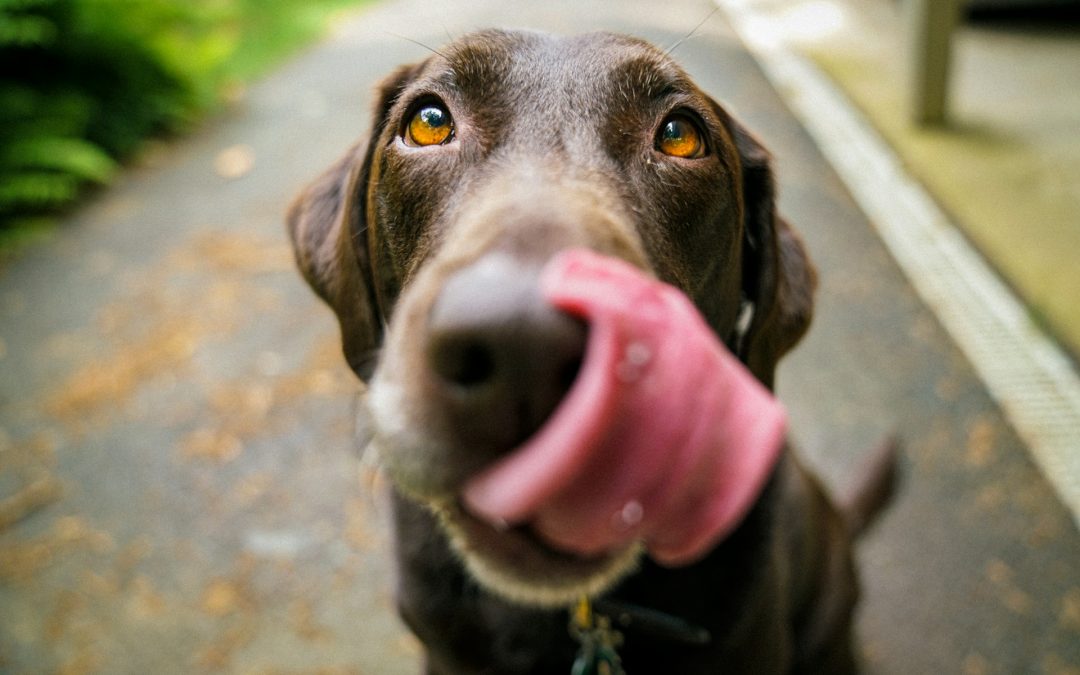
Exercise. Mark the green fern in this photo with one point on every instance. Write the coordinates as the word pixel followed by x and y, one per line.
pixel 79 88
pixel 73 156
pixel 83 82
pixel 29 191
pixel 26 31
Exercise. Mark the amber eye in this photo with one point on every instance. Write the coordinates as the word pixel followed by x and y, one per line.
pixel 680 137
pixel 431 124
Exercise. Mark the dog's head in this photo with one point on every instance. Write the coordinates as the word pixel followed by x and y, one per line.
pixel 484 161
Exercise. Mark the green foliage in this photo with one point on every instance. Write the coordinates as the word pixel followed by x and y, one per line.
pixel 78 89
pixel 83 82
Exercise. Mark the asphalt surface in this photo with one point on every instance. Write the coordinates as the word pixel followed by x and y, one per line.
pixel 179 488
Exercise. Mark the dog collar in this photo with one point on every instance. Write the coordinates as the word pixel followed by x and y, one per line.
pixel 655 623
pixel 591 625
pixel 599 642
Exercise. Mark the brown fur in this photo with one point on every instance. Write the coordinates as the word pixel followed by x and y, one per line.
pixel 554 148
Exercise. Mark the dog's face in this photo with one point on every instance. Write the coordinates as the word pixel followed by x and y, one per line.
pixel 484 161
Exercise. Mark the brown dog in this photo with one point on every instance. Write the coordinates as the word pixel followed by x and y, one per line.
pixel 484 161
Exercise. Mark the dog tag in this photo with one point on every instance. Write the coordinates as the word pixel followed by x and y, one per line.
pixel 597 655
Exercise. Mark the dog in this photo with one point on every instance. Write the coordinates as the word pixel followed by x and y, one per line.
pixel 485 161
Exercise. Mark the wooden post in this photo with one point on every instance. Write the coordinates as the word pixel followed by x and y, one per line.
pixel 930 24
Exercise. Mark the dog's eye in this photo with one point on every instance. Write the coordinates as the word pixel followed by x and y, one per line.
pixel 431 124
pixel 680 137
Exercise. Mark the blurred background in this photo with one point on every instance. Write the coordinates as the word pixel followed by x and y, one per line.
pixel 87 84
pixel 179 486
pixel 980 104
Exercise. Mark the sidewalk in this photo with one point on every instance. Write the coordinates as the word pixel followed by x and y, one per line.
pixel 1007 165
pixel 174 397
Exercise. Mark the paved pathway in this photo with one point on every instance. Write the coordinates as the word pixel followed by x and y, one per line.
pixel 175 415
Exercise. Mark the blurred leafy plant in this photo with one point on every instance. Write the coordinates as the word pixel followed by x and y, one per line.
pixel 83 82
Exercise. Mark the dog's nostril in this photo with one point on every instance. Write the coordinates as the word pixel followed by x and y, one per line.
pixel 465 362
pixel 569 372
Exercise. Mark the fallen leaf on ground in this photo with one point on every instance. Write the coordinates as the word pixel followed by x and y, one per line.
pixel 235 161
pixel 221 597
pixel 34 496
pixel 211 444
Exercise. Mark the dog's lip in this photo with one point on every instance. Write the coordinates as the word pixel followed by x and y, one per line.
pixel 516 563
pixel 519 534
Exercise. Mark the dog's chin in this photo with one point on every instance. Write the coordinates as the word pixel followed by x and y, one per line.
pixel 511 562
pixel 514 563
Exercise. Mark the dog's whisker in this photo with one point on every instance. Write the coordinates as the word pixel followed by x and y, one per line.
pixel 417 43
pixel 689 35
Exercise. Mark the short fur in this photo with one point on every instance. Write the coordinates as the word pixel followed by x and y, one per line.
pixel 554 147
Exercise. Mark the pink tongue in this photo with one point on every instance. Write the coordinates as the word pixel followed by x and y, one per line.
pixel 664 438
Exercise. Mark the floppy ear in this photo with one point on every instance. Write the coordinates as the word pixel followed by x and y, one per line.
pixel 778 277
pixel 328 226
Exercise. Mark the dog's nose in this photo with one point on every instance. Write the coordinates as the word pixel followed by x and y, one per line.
pixel 502 358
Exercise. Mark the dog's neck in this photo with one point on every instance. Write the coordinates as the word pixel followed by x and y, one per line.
pixel 651 622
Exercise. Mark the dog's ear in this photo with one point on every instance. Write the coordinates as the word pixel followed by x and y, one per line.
pixel 778 277
pixel 328 226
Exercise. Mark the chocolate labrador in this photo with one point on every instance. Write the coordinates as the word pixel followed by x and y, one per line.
pixel 485 161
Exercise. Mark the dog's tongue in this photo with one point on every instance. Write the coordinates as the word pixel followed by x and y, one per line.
pixel 664 437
